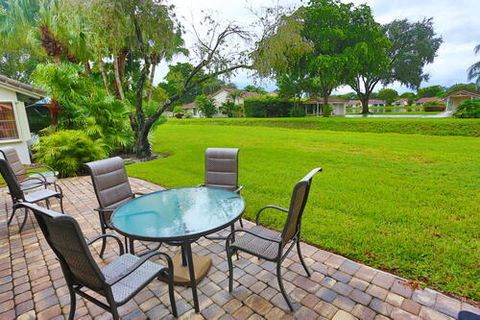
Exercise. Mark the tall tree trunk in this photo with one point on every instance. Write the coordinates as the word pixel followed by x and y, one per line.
pixel 118 81
pixel 364 99
pixel 142 145
pixel 150 82
pixel 326 108
pixel 101 66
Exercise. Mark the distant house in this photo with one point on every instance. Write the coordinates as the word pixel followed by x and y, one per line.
pixel 14 127
pixel 401 102
pixel 314 106
pixel 423 100
pixel 354 103
pixel 219 97
pixel 455 99
pixel 377 103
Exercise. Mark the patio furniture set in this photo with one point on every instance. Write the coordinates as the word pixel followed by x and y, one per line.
pixel 174 217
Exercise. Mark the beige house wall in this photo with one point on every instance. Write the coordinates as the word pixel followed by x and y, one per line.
pixel 21 120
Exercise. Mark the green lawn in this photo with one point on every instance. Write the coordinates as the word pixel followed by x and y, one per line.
pixel 405 203
pixel 431 126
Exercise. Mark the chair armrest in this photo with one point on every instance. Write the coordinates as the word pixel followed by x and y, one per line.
pixel 238 189
pixel 38 183
pixel 231 235
pixel 103 210
pixel 108 235
pixel 138 264
pixel 269 207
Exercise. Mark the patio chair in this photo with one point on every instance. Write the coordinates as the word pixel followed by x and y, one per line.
pixel 118 282
pixel 270 245
pixel 22 174
pixel 112 189
pixel 19 195
pixel 221 171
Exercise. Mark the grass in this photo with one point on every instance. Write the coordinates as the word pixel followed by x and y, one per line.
pixel 437 127
pixel 403 113
pixel 409 204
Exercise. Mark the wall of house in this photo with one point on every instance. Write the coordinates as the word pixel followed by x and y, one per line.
pixel 20 144
pixel 454 102
pixel 219 99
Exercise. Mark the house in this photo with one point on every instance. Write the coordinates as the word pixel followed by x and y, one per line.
pixel 219 97
pixel 314 106
pixel 377 103
pixel 455 99
pixel 401 102
pixel 354 103
pixel 423 100
pixel 14 128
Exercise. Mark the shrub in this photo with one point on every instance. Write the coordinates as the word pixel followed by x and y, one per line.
pixel 206 105
pixel 468 109
pixel 435 105
pixel 267 107
pixel 327 110
pixel 297 111
pixel 229 108
pixel 68 150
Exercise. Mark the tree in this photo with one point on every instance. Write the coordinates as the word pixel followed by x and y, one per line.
pixel 472 87
pixel 206 105
pixel 387 94
pixel 410 96
pixel 402 58
pixel 474 70
pixel 228 108
pixel 257 89
pixel 431 91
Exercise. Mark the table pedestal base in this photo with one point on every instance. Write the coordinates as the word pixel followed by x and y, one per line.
pixel 181 274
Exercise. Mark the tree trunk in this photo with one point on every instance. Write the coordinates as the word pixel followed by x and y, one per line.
pixel 150 83
pixel 88 69
pixel 364 101
pixel 101 66
pixel 142 145
pixel 325 109
pixel 118 81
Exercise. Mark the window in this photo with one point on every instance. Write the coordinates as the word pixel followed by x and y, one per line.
pixel 8 126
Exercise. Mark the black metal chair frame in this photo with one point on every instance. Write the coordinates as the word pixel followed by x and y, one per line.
pixel 75 287
pixel 17 194
pixel 38 176
pixel 237 191
pixel 282 243
pixel 103 211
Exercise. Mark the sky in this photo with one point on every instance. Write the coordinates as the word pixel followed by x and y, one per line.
pixel 455 21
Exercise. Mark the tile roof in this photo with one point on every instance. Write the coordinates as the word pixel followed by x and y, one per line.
pixel 26 88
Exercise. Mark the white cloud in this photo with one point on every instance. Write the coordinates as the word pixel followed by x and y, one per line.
pixel 455 21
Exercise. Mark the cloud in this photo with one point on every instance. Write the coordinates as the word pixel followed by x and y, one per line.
pixel 455 21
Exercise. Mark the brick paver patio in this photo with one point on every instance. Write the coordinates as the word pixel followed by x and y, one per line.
pixel 32 285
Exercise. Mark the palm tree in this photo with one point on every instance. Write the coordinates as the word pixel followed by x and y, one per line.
pixel 474 70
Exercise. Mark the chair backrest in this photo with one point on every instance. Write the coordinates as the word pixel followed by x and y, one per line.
pixel 110 181
pixel 66 239
pixel 221 168
pixel 297 206
pixel 11 180
pixel 11 155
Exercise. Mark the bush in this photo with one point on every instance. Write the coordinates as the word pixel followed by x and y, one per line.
pixel 297 111
pixel 66 151
pixel 206 105
pixel 268 107
pixel 468 109
pixel 432 106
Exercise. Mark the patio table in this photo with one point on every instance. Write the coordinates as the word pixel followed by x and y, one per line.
pixel 180 216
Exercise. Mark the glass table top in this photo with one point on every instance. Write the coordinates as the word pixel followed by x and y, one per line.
pixel 176 214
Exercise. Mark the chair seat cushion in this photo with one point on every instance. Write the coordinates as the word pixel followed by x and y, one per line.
pixel 134 282
pixel 257 246
pixel 40 195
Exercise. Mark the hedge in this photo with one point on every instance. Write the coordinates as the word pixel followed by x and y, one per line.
pixel 268 107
